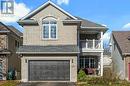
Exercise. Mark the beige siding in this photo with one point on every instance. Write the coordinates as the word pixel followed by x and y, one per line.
pixel 50 11
pixel 73 65
pixel 67 34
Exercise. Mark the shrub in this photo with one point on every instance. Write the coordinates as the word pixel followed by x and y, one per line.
pixel 108 79
pixel 81 76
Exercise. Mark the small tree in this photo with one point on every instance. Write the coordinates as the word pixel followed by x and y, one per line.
pixel 81 75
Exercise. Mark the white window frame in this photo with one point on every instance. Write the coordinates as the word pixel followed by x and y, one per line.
pixel 89 58
pixel 50 38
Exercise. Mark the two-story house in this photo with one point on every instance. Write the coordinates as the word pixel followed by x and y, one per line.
pixel 10 40
pixel 56 44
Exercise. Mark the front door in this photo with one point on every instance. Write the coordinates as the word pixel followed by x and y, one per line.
pixel 129 70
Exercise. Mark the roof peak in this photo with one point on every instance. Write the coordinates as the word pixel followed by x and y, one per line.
pixel 44 5
pixel 11 28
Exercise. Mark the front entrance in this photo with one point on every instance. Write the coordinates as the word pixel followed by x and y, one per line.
pixel 49 70
pixel 89 64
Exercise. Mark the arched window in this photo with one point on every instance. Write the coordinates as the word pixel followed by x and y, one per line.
pixel 49 29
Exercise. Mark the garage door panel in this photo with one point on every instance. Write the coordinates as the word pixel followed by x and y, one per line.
pixel 49 70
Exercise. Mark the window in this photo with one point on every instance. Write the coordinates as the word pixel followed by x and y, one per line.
pixel 17 44
pixel 81 63
pixel 88 62
pixel 1 75
pixel 49 29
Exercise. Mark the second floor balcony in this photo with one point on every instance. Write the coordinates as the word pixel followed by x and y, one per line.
pixel 91 45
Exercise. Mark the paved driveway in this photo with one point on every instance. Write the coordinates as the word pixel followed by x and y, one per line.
pixel 48 84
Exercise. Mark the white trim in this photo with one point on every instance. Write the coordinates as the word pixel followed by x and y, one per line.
pixel 126 54
pixel 49 29
pixel 124 69
pixel 70 68
pixel 49 2
pixel 101 35
pixel 5 53
pixel 70 61
pixel 101 60
pixel 73 20
pixel 88 58
pixel 92 50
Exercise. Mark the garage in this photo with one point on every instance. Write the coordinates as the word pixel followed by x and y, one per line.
pixel 49 70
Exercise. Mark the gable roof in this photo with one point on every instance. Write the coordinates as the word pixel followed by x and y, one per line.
pixel 16 31
pixel 50 49
pixel 43 6
pixel 87 23
pixel 3 29
pixel 7 28
pixel 121 39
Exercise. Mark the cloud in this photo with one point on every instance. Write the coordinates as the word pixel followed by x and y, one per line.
pixel 63 2
pixel 20 10
pixel 126 26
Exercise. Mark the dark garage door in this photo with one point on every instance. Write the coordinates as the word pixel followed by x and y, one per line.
pixel 49 70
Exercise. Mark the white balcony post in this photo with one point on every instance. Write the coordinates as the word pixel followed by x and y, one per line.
pixel 93 43
pixel 101 64
pixel 101 40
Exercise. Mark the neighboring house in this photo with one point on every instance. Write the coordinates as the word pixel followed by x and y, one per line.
pixel 10 40
pixel 120 50
pixel 57 44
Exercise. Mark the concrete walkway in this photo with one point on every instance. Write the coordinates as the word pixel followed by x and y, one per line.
pixel 48 84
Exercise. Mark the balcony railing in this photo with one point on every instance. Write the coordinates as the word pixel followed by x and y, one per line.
pixel 91 44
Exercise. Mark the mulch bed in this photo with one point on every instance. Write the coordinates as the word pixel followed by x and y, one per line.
pixel 2 82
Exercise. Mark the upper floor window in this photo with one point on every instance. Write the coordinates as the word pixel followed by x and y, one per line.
pixel 49 29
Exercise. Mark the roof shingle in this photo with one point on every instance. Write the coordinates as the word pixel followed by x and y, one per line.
pixel 87 23
pixel 47 49
pixel 121 38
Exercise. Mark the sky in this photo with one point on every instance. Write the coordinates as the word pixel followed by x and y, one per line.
pixel 115 14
